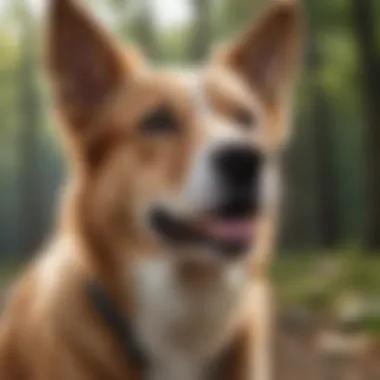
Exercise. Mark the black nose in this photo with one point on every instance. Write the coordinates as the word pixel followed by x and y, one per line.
pixel 238 165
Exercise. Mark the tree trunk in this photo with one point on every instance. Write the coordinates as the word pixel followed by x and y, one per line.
pixel 144 31
pixel 202 37
pixel 135 19
pixel 30 119
pixel 315 220
pixel 324 173
pixel 363 14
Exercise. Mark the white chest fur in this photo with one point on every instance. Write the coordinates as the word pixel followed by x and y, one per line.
pixel 182 328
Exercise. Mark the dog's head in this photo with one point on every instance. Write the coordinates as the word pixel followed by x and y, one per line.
pixel 185 160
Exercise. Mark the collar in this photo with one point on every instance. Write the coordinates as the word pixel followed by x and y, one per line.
pixel 116 322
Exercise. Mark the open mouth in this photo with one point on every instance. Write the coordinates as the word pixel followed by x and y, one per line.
pixel 229 234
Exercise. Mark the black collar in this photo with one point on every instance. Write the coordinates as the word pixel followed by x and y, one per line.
pixel 116 322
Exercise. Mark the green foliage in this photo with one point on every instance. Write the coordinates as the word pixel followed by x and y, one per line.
pixel 330 283
pixel 174 44
pixel 318 279
pixel 235 16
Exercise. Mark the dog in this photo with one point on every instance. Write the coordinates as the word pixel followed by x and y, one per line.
pixel 157 266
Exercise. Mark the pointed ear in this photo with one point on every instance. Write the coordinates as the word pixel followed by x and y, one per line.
pixel 267 55
pixel 85 64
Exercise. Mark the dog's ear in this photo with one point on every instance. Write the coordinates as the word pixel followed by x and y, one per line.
pixel 85 63
pixel 267 55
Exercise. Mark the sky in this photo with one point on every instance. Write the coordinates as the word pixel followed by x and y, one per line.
pixel 171 12
pixel 168 13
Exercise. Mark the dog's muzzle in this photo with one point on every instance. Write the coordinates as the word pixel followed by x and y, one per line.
pixel 228 225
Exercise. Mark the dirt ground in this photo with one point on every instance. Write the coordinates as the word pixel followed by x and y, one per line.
pixel 309 353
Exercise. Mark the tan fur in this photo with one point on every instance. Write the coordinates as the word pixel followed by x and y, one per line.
pixel 49 330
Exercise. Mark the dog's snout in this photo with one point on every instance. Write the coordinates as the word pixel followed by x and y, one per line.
pixel 238 165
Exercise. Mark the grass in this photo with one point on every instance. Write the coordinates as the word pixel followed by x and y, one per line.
pixel 332 283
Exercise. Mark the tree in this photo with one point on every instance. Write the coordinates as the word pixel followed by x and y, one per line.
pixel 30 121
pixel 236 15
pixel 143 30
pixel 364 26
pixel 203 28
pixel 135 21
pixel 326 213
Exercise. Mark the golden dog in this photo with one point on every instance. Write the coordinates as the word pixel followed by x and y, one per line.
pixel 156 270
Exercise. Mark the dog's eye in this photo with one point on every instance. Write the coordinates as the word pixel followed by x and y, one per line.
pixel 158 121
pixel 245 118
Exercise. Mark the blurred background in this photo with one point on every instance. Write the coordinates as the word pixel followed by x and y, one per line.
pixel 328 268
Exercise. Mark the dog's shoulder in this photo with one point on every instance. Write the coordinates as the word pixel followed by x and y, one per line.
pixel 48 323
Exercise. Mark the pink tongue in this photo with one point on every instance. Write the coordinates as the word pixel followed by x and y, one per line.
pixel 231 230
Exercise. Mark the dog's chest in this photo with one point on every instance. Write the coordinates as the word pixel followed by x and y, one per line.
pixel 182 328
